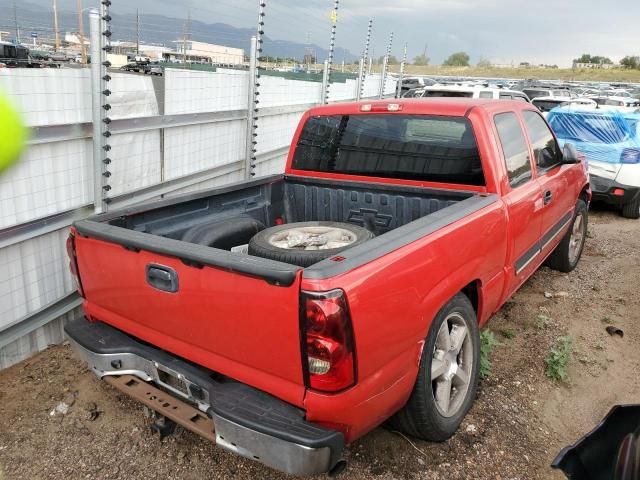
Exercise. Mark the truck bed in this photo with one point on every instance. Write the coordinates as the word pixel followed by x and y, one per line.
pixel 379 208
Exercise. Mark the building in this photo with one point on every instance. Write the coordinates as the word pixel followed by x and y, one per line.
pixel 209 53
pixel 605 66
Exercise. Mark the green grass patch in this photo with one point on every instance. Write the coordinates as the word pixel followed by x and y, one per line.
pixel 508 333
pixel 558 358
pixel 488 343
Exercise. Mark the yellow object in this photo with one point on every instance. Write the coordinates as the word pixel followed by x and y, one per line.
pixel 13 134
pixel 334 16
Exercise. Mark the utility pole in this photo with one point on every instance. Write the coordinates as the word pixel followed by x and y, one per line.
pixel 83 48
pixel 15 19
pixel 186 33
pixel 56 30
pixel 137 32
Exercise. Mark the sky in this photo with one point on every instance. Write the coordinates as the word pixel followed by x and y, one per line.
pixel 550 32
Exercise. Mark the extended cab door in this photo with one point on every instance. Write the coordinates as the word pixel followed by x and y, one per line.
pixel 523 199
pixel 557 194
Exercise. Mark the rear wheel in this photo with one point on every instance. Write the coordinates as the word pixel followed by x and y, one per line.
pixel 631 209
pixel 567 254
pixel 447 377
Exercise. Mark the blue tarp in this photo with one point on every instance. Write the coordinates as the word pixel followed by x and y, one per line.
pixel 603 135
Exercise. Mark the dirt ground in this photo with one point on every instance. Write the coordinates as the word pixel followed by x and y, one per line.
pixel 520 420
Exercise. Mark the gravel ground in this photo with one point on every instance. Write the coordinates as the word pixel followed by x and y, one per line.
pixel 519 422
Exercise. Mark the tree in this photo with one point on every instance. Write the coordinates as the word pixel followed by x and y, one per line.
pixel 630 62
pixel 483 63
pixel 421 60
pixel 392 60
pixel 458 59
pixel 597 59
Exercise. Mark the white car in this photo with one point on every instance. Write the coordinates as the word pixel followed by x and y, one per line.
pixel 609 139
pixel 619 103
pixel 546 104
pixel 535 92
pixel 467 92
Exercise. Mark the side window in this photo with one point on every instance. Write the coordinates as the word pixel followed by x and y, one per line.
pixel 515 148
pixel 505 96
pixel 486 94
pixel 545 148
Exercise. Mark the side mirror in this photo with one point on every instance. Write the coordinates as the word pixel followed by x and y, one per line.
pixel 570 154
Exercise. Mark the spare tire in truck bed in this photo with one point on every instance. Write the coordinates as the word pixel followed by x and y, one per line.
pixel 306 243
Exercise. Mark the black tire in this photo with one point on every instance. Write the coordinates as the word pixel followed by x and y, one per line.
pixel 632 209
pixel 259 245
pixel 561 258
pixel 421 417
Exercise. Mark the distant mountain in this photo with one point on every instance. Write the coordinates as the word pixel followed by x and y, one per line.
pixel 157 29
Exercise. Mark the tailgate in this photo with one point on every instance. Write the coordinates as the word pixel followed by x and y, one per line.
pixel 241 325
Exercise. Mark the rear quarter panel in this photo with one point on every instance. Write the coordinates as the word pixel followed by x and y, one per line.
pixel 393 300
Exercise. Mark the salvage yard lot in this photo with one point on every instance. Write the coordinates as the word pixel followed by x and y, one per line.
pixel 519 422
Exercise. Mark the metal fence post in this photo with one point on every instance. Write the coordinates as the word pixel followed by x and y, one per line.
pixel 365 58
pixel 100 45
pixel 360 84
pixel 401 76
pixel 332 42
pixel 325 84
pixel 252 111
pixel 385 63
pixel 383 76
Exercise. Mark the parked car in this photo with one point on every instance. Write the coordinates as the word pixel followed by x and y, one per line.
pixel 625 103
pixel 535 92
pixel 416 82
pixel 286 315
pixel 133 67
pixel 438 91
pixel 153 69
pixel 610 142
pixel 546 104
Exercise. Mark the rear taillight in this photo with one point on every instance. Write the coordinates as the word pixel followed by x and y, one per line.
pixel 327 341
pixel 630 155
pixel 73 262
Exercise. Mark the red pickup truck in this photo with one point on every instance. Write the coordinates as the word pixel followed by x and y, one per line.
pixel 294 313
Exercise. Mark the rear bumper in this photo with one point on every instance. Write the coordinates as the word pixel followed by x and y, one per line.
pixel 247 421
pixel 603 189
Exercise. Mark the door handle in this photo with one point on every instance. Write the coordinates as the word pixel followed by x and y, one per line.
pixel 548 197
pixel 162 278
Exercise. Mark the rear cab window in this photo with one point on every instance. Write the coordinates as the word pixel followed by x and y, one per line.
pixel 413 147
pixel 514 148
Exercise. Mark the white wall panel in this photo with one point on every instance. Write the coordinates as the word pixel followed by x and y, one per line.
pixel 33 274
pixel 278 91
pixel 48 96
pixel 135 161
pixel 191 91
pixel 50 178
pixel 200 147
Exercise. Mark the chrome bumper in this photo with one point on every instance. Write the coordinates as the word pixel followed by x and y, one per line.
pixel 282 455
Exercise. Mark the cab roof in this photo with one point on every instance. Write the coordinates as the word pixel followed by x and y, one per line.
pixel 446 106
